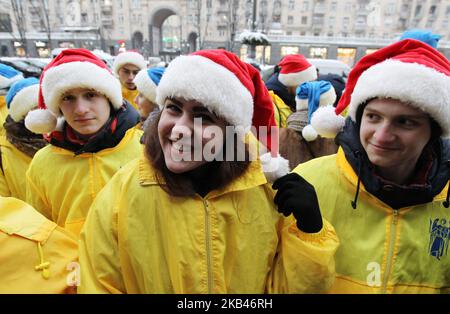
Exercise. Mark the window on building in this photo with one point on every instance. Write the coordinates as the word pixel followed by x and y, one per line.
pixel 346 21
pixel 135 4
pixel 304 20
pixel 305 5
pixel 447 12
pixel 348 7
pixel 390 9
pixel 333 6
pixel 209 4
pixel 331 21
pixel 291 4
pixel 288 50
pixel 318 52
pixel 432 10
pixel 418 11
pixel 290 20
pixel 370 50
pixel 347 55
pixel 5 23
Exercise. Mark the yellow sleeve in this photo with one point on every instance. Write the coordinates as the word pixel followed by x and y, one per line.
pixel 304 262
pixel 35 196
pixel 99 251
pixel 4 189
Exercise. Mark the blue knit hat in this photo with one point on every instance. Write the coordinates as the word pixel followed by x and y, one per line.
pixel 22 97
pixel 422 35
pixel 310 96
pixel 8 75
pixel 147 80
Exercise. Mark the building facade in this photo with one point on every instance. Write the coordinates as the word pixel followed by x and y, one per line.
pixel 333 29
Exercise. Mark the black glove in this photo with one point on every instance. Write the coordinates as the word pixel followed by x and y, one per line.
pixel 296 196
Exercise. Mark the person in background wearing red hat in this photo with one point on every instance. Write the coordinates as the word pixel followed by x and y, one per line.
pixel 94 138
pixel 291 72
pixel 202 225
pixel 386 191
pixel 126 66
pixel 19 145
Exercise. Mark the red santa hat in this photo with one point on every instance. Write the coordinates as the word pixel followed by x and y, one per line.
pixel 409 70
pixel 72 68
pixel 295 70
pixel 228 87
pixel 128 57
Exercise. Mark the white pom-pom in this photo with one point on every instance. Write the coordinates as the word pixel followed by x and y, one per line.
pixel 274 167
pixel 326 122
pixel 40 121
pixel 309 134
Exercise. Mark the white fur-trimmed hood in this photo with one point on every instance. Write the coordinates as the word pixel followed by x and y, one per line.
pixel 66 76
pixel 145 85
pixel 128 57
pixel 221 92
pixel 24 101
pixel 416 84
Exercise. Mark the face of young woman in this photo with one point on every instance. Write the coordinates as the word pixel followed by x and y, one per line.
pixel 85 110
pixel 144 105
pixel 187 143
pixel 394 135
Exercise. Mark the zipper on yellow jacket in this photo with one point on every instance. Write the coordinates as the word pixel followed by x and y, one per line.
pixel 392 237
pixel 208 246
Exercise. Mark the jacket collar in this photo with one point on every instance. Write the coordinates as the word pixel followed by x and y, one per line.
pixel 353 162
pixel 251 178
pixel 125 118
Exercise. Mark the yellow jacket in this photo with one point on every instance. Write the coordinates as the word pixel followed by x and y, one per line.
pixel 130 95
pixel 382 250
pixel 62 186
pixel 281 110
pixel 138 239
pixel 3 114
pixel 15 164
pixel 36 254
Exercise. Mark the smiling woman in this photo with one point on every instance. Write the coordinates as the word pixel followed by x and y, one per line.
pixel 195 225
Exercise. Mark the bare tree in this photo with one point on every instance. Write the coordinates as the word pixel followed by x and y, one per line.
pixel 233 19
pixel 20 21
pixel 43 13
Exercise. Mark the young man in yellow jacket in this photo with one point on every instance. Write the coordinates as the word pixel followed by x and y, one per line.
pixel 18 145
pixel 174 223
pixel 386 191
pixel 36 255
pixel 126 66
pixel 94 138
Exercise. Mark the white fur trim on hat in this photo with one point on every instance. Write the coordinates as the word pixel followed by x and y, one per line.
pixel 309 134
pixel 128 57
pixel 274 167
pixel 326 123
pixel 24 101
pixel 209 83
pixel 40 121
pixel 413 83
pixel 145 85
pixel 7 82
pixel 296 79
pixel 59 79
pixel 326 99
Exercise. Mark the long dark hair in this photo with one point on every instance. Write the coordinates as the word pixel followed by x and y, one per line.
pixel 220 173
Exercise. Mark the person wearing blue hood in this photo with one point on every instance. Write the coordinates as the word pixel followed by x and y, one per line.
pixel 146 82
pixel 19 145
pixel 8 75
pixel 422 35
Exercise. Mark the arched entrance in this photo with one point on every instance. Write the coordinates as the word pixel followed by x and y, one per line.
pixel 137 41
pixel 156 21
pixel 192 42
